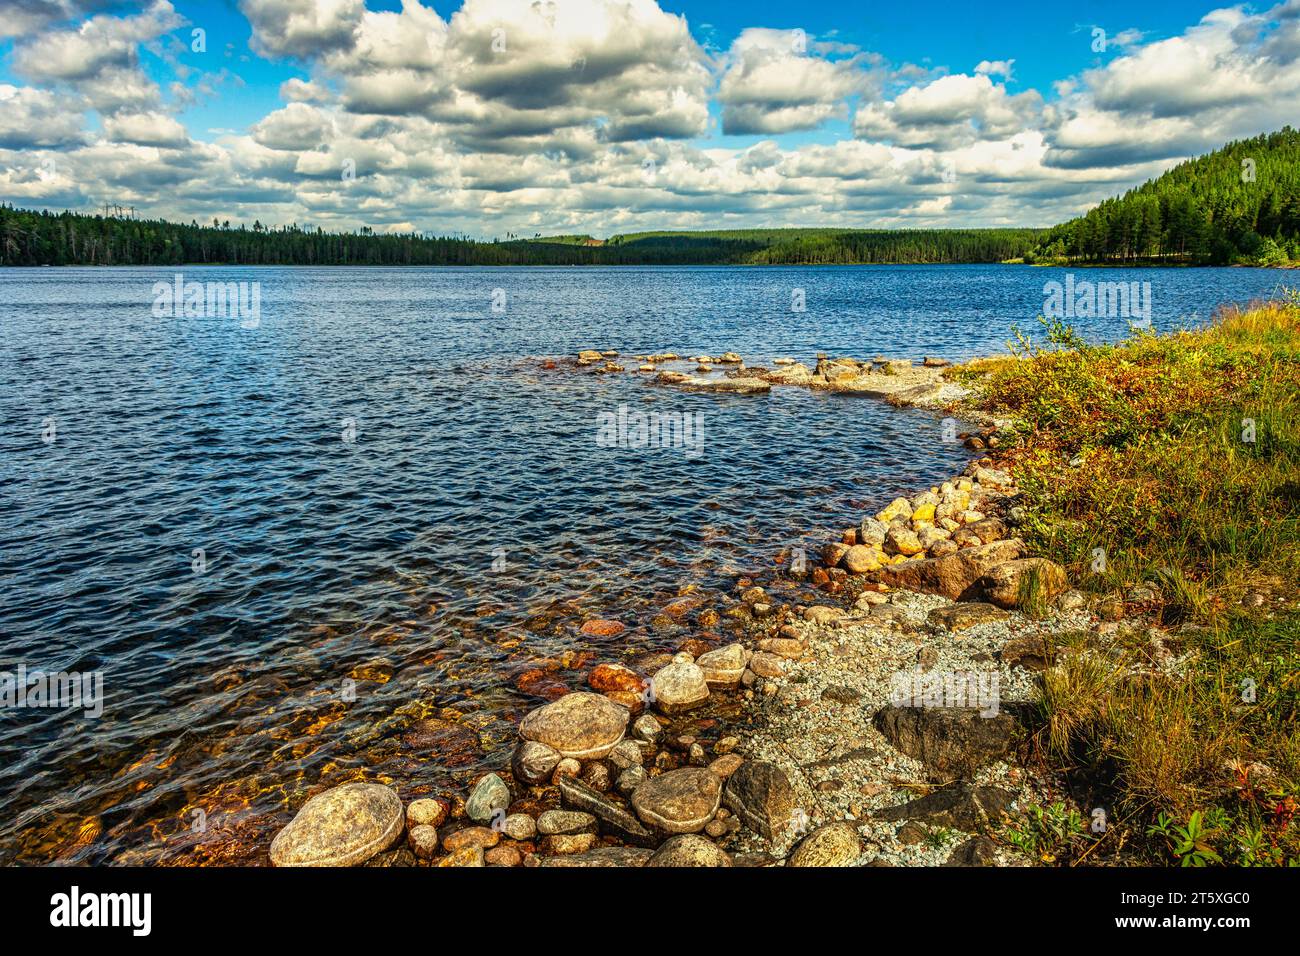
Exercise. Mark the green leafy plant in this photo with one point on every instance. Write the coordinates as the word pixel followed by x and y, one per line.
pixel 1048 833
pixel 1192 843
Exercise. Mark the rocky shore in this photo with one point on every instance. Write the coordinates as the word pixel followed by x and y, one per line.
pixel 872 707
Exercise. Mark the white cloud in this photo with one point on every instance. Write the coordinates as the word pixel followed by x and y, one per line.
pixel 774 81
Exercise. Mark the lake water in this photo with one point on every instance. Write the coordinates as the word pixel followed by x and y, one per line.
pixel 379 482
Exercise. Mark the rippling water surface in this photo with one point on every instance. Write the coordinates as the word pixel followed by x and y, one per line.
pixel 182 514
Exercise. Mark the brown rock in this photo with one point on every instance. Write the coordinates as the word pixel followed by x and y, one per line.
pixel 680 801
pixel 1002 584
pixel 952 575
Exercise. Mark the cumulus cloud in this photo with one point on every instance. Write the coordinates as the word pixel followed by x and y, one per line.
pixel 950 111
pixel 774 82
pixel 594 116
pixel 31 118
pixel 1233 74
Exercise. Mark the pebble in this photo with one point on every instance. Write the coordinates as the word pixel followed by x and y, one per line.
pixel 561 822
pixel 423 840
pixel 519 826
pixel 489 795
pixel 426 812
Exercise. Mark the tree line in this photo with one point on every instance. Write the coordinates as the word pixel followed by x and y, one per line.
pixel 1237 205
pixel 36 238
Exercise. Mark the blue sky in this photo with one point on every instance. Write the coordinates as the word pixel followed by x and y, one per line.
pixel 612 115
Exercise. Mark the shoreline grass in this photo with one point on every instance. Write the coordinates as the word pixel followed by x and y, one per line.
pixel 1164 472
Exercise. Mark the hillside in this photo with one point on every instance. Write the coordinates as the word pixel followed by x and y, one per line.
pixel 1237 205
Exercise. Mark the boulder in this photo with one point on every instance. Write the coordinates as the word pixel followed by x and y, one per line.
pixel 896 509
pixel 958 806
pixel 952 575
pixel 689 849
pixel 835 844
pixel 1002 584
pixel 603 857
pixel 581 725
pixel 903 541
pixel 344 826
pixel 871 531
pixel 614 820
pixel 679 687
pixel 980 532
pixel 952 742
pixel 723 667
pixel 861 558
pixel 553 822
pixel 679 801
pixel 534 762
pixel 977 851
pixel 958 617
pixel 761 796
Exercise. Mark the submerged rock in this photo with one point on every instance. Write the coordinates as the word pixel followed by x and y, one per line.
pixel 344 826
pixel 580 725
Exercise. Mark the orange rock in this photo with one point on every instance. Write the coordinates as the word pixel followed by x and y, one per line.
pixel 599 628
pixel 615 677
pixel 632 701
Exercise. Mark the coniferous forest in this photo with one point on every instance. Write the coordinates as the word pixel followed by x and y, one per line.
pixel 29 238
pixel 1237 205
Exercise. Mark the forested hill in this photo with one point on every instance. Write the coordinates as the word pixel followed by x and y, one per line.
pixel 1239 204
pixel 30 238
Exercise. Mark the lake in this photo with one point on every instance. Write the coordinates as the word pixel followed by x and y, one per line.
pixel 281 540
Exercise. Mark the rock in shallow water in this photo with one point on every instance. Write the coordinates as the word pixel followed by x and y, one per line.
pixel 489 795
pixel 679 687
pixel 344 826
pixel 580 725
pixel 680 801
